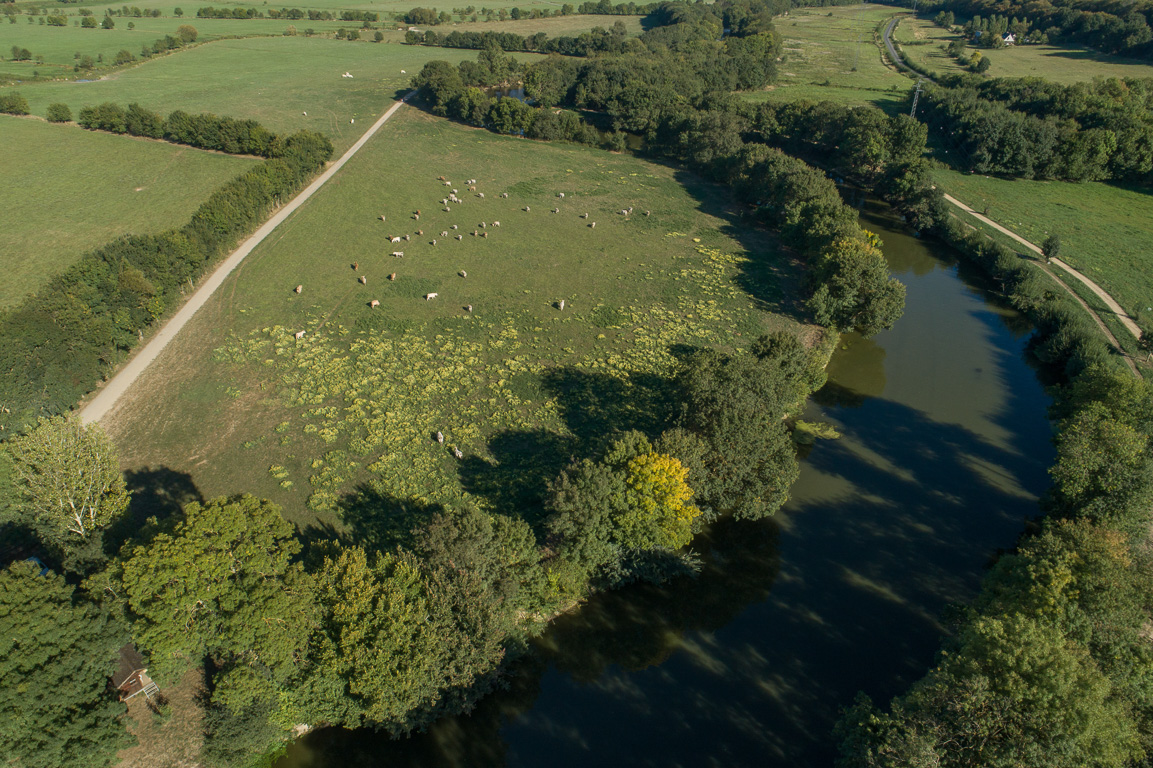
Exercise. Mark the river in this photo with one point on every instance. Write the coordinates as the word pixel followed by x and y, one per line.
pixel 944 450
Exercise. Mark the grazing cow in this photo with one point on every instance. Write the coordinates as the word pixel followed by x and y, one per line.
pixel 584 215
pixel 480 195
pixel 560 195
pixel 560 305
pixel 527 209
pixel 429 296
pixel 298 289
pixel 646 213
pixel 556 210
pixel 299 335
pixel 472 189
pixel 304 113
pixel 454 191
pixel 460 237
pixel 504 194
pixel 483 225
pixel 407 238
pixel 383 217
pixel 444 233
pixel 417 211
pixel 447 209
pixel 420 231
pixel 355 265
pixel 484 234
pixel 392 276
pixel 441 178
pixel 439 436
pixel 352 121
pixel 363 280
pixel 444 201
pixel 373 304
pixel 434 242
pixel 593 225
pixel 463 273
pixel 474 233
pixel 394 239
pixel 416 217
pixel 456 452
pixel 630 210
pixel 447 183
pixel 398 254
pixel 456 226
pixel 468 308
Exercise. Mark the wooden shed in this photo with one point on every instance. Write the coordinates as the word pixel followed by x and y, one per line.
pixel 131 676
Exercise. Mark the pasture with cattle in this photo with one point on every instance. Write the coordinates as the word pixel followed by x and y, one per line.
pixel 521 347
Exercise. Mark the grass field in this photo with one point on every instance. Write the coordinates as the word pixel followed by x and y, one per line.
pixel 59 45
pixel 273 80
pixel 517 384
pixel 67 190
pixel 1106 231
pixel 830 55
pixel 922 43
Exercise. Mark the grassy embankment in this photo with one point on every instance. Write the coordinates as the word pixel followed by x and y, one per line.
pixel 922 42
pixel 830 55
pixel 518 384
pixel 67 191
pixel 59 45
pixel 1106 231
pixel 271 80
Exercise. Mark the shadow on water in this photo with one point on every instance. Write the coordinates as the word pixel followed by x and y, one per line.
pixel 945 449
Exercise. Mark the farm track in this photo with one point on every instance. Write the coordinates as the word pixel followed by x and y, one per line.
pixel 1097 290
pixel 106 398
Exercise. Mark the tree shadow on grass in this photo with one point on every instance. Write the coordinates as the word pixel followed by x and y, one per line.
pixel 158 494
pixel 516 477
pixel 378 521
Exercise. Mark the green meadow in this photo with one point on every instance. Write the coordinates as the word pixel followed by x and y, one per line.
pixel 341 423
pixel 67 190
pixel 923 42
pixel 273 80
pixel 1104 229
pixel 830 54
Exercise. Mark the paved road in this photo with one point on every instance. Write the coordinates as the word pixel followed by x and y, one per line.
pixel 102 403
pixel 895 57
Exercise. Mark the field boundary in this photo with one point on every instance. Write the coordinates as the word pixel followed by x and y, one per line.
pixel 108 395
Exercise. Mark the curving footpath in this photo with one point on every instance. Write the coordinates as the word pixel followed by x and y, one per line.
pixel 102 403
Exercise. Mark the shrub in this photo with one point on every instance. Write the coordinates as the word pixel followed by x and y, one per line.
pixel 13 104
pixel 59 113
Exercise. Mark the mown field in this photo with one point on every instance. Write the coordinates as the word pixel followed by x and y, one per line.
pixel 59 46
pixel 517 384
pixel 67 190
pixel 923 42
pixel 830 55
pixel 273 80
pixel 1106 231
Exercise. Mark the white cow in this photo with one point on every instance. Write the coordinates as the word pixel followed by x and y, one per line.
pixel 373 304
pixel 299 335
pixel 395 239
pixel 398 254
pixel 429 296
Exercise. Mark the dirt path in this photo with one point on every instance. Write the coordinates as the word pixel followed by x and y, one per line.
pixel 1097 290
pixel 102 403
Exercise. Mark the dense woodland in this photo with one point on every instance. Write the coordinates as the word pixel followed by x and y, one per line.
pixel 1031 128
pixel 1048 667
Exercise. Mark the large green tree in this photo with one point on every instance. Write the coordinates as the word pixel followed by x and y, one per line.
pixel 223 586
pixel 853 290
pixel 57 654
pixel 69 477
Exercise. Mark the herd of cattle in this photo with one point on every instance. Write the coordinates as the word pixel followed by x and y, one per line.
pixel 447 203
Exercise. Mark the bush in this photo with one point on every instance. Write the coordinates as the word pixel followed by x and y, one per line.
pixel 13 104
pixel 59 113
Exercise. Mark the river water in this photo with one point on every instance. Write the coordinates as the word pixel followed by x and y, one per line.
pixel 944 450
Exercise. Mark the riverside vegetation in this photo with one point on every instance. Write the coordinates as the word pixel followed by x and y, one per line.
pixel 394 633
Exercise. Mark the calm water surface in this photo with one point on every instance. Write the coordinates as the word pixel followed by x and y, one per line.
pixel 944 450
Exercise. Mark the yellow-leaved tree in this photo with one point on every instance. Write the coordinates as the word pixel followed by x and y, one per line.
pixel 657 512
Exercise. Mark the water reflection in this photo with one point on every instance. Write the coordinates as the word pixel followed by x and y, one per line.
pixel 944 451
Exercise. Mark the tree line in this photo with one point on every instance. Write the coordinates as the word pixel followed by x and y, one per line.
pixel 666 99
pixel 348 634
pixel 1032 128
pixel 597 40
pixel 204 131
pixel 57 344
pixel 1124 28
